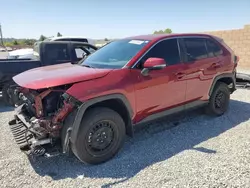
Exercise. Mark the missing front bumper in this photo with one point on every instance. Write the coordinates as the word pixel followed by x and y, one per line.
pixel 26 139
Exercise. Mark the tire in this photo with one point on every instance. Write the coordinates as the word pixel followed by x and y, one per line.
pixel 219 100
pixel 100 136
pixel 6 97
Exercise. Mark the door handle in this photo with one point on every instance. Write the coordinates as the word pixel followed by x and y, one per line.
pixel 215 65
pixel 179 75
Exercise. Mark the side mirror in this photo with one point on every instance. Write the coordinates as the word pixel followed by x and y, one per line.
pixel 153 63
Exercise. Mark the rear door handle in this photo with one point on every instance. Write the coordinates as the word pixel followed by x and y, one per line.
pixel 215 65
pixel 179 75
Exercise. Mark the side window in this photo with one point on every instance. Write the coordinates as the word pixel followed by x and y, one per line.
pixel 167 49
pixel 79 40
pixel 57 52
pixel 196 48
pixel 64 39
pixel 213 48
pixel 79 52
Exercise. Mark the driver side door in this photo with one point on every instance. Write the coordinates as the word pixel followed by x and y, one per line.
pixel 162 91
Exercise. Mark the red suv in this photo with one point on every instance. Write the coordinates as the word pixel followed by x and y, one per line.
pixel 89 107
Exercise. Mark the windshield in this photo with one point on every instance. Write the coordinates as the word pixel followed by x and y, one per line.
pixel 115 55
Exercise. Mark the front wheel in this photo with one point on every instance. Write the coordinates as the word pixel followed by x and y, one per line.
pixel 100 136
pixel 219 100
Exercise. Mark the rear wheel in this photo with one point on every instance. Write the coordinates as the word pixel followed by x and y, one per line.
pixel 219 100
pixel 100 136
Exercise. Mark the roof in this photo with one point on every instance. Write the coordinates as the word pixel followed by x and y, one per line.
pixel 71 37
pixel 160 36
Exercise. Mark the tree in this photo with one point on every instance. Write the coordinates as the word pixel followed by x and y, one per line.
pixel 106 39
pixel 42 38
pixel 15 42
pixel 168 30
pixel 59 34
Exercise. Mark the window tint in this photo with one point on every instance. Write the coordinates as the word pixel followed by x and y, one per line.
pixel 65 39
pixel 196 48
pixel 57 52
pixel 213 48
pixel 79 40
pixel 167 49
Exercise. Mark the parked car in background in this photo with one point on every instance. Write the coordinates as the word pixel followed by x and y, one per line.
pixel 88 108
pixel 28 53
pixel 71 38
pixel 45 53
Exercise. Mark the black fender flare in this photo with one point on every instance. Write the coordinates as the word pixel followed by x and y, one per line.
pixel 224 75
pixel 88 103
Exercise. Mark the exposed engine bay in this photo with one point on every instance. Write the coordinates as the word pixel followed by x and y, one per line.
pixel 40 117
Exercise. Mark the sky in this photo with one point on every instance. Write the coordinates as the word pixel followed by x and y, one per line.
pixel 116 19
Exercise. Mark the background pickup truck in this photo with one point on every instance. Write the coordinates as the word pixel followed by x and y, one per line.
pixel 45 53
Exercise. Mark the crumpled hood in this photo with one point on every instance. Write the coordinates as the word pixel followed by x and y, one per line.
pixel 56 75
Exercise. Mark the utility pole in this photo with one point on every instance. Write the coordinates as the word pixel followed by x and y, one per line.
pixel 1 35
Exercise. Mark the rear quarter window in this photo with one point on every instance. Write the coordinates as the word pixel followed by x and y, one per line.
pixel 57 52
pixel 195 48
pixel 213 48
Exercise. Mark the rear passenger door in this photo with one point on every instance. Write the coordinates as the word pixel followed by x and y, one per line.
pixel 201 67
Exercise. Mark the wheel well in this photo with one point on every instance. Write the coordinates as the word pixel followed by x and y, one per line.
pixel 228 81
pixel 118 106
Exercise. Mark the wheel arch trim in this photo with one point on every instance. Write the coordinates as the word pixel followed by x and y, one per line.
pixel 82 109
pixel 224 75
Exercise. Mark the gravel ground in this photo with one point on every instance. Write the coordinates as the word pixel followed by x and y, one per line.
pixel 195 151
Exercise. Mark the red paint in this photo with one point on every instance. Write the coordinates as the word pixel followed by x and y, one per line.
pixel 55 75
pixel 39 104
pixel 162 89
pixel 62 114
pixel 151 62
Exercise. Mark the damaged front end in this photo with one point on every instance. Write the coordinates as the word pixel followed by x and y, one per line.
pixel 39 120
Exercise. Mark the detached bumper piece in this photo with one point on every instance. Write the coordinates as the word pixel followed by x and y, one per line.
pixel 21 134
pixel 26 138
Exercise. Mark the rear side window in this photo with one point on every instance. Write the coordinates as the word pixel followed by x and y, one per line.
pixel 167 49
pixel 57 52
pixel 79 40
pixel 64 39
pixel 195 48
pixel 213 48
pixel 79 53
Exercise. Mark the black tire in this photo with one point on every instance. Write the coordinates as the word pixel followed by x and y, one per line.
pixel 99 126
pixel 219 100
pixel 6 97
